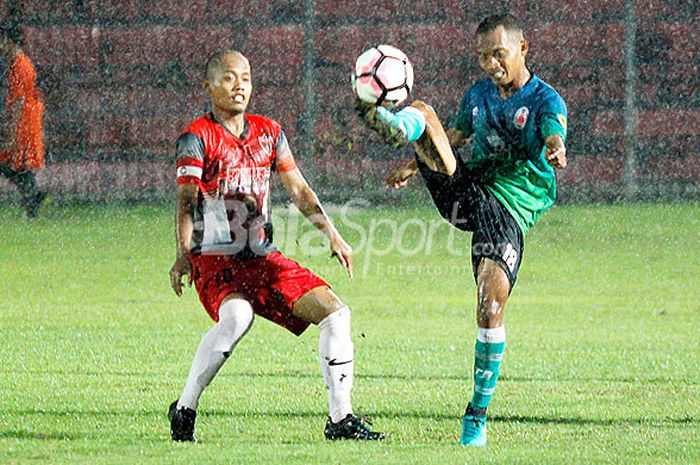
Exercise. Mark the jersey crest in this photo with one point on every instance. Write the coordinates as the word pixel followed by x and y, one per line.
pixel 520 118
pixel 266 142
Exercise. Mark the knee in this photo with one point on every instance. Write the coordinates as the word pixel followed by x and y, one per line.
pixel 235 316
pixel 336 318
pixel 330 307
pixel 424 108
pixel 489 310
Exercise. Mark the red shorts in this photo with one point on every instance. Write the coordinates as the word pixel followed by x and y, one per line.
pixel 272 284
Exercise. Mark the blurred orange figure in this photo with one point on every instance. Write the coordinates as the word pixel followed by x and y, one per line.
pixel 22 143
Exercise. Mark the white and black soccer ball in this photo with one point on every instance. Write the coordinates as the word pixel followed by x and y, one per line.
pixel 383 74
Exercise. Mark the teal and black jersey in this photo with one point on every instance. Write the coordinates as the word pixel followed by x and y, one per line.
pixel 508 144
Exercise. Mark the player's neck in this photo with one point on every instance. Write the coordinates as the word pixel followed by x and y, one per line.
pixel 233 122
pixel 515 85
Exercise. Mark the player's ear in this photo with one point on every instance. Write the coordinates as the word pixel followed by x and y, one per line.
pixel 524 47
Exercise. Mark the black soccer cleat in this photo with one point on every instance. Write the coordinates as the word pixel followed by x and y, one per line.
pixel 181 423
pixel 351 427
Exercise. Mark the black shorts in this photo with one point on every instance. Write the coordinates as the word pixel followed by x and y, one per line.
pixel 463 201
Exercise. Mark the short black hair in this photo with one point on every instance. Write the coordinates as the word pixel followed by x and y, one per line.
pixel 509 22
pixel 214 61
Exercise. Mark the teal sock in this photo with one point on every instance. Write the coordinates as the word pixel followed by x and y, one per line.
pixel 488 353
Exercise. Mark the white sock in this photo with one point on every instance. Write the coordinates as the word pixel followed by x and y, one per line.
pixel 235 318
pixel 335 354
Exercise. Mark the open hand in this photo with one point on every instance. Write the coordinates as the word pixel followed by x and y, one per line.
pixel 182 267
pixel 555 153
pixel 399 177
pixel 343 252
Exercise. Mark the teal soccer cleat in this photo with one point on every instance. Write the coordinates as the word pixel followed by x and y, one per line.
pixel 473 429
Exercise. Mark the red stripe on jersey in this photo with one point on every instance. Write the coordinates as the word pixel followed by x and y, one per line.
pixel 187 181
pixel 210 187
pixel 286 165
pixel 190 162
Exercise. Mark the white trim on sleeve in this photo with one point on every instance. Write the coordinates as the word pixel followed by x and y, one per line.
pixel 189 171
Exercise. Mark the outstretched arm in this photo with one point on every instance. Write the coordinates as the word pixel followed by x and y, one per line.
pixel 399 177
pixel 308 204
pixel 552 124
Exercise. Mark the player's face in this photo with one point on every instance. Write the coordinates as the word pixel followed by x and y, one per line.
pixel 230 85
pixel 501 55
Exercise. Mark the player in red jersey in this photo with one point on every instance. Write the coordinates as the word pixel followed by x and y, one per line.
pixel 224 246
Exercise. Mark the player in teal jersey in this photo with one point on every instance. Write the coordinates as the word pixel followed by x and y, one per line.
pixel 516 125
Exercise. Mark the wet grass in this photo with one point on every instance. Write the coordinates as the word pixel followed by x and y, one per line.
pixel 601 366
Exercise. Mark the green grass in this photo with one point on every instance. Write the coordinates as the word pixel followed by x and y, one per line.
pixel 602 364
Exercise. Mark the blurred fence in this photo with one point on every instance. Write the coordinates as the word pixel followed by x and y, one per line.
pixel 123 77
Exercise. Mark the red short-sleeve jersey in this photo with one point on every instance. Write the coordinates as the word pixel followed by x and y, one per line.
pixel 232 215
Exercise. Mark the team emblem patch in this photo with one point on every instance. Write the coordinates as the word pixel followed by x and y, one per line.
pixel 520 117
pixel 562 121
pixel 475 113
pixel 265 142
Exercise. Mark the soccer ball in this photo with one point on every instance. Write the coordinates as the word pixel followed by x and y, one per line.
pixel 383 74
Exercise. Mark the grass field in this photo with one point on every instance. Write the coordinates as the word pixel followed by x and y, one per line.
pixel 602 364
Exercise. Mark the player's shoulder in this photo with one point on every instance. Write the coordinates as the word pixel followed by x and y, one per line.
pixel 199 126
pixel 263 123
pixel 475 92
pixel 545 92
pixel 479 87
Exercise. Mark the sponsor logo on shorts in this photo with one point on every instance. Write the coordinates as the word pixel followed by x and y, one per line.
pixel 520 117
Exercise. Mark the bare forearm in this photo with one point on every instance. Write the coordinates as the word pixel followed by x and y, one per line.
pixel 308 204
pixel 554 141
pixel 408 168
pixel 184 224
pixel 183 233
pixel 411 164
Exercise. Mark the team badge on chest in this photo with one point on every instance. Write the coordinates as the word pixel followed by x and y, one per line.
pixel 265 142
pixel 520 117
